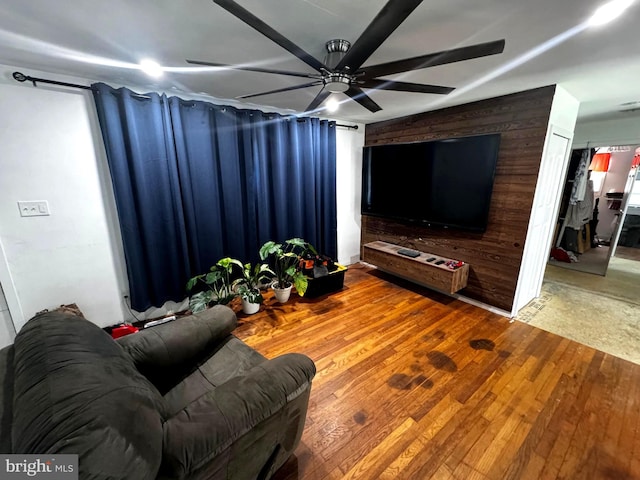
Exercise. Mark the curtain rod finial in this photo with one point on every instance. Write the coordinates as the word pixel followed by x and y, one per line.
pixel 20 77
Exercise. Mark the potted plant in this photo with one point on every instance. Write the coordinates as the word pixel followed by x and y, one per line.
pixel 285 262
pixel 249 286
pixel 217 285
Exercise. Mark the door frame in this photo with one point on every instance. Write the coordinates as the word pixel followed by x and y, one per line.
pixel 10 293
pixel 615 235
pixel 537 268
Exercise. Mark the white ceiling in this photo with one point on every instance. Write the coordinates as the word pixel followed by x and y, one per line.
pixel 599 66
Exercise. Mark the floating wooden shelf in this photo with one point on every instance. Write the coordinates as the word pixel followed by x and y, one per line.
pixel 385 256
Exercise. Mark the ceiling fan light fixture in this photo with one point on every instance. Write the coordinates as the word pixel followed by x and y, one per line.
pixel 609 11
pixel 332 105
pixel 337 82
pixel 151 68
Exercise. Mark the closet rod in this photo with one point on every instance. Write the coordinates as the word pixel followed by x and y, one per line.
pixel 21 77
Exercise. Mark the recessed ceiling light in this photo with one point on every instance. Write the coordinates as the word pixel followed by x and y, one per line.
pixel 332 105
pixel 609 11
pixel 151 68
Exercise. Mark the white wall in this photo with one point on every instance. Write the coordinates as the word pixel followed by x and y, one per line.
pixel 623 131
pixel 349 144
pixel 51 151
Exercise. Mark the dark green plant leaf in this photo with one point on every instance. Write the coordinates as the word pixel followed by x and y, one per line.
pixel 200 301
pixel 193 281
pixel 213 277
pixel 297 242
pixel 269 248
pixel 225 299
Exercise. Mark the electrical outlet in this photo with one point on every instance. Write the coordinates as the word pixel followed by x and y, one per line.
pixel 35 208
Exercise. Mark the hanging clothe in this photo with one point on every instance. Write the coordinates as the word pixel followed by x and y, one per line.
pixel 581 212
pixel 580 180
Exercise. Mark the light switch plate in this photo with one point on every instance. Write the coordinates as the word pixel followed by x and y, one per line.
pixel 34 208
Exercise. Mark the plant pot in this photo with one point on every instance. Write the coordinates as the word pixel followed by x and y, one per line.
pixel 327 284
pixel 250 308
pixel 282 294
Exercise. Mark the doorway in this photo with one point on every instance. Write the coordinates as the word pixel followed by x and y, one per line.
pixel 601 309
pixel 599 193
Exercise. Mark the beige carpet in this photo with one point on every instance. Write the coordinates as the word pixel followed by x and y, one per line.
pixel 622 280
pixel 601 312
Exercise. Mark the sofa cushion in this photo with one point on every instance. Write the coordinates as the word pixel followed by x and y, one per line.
pixel 168 353
pixel 232 358
pixel 76 391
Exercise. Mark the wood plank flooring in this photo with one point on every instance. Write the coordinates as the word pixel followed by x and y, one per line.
pixel 415 385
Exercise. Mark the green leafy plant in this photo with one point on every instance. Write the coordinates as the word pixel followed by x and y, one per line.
pixel 218 285
pixel 249 283
pixel 285 262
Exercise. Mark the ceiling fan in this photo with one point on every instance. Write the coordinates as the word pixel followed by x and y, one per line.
pixel 342 70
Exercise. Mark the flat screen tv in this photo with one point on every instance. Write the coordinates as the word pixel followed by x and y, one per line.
pixel 444 183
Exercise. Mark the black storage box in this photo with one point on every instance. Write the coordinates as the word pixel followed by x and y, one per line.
pixel 327 284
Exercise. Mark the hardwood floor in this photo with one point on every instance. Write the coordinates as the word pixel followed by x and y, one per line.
pixel 415 385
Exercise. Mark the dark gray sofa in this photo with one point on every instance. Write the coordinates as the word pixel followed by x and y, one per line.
pixel 185 399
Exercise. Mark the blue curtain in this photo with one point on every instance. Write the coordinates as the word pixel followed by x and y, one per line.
pixel 195 182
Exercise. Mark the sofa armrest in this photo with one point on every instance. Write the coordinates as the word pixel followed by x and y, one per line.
pixel 180 341
pixel 255 404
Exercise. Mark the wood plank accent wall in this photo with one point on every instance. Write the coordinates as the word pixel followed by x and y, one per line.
pixel 494 256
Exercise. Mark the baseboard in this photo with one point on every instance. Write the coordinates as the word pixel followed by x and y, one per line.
pixel 483 305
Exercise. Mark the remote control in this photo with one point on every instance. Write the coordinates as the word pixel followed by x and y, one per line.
pixel 409 253
pixel 439 262
pixel 159 322
pixel 431 259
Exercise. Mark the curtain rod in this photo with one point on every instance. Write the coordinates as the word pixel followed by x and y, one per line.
pixel 21 77
pixel 354 127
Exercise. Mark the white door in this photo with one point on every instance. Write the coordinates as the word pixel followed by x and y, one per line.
pixel 546 202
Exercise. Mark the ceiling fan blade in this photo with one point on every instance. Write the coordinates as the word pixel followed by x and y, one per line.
pixel 254 22
pixel 255 69
pixel 383 25
pixel 286 89
pixel 433 59
pixel 363 99
pixel 405 86
pixel 321 97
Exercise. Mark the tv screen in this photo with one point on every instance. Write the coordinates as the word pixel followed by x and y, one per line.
pixel 444 183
